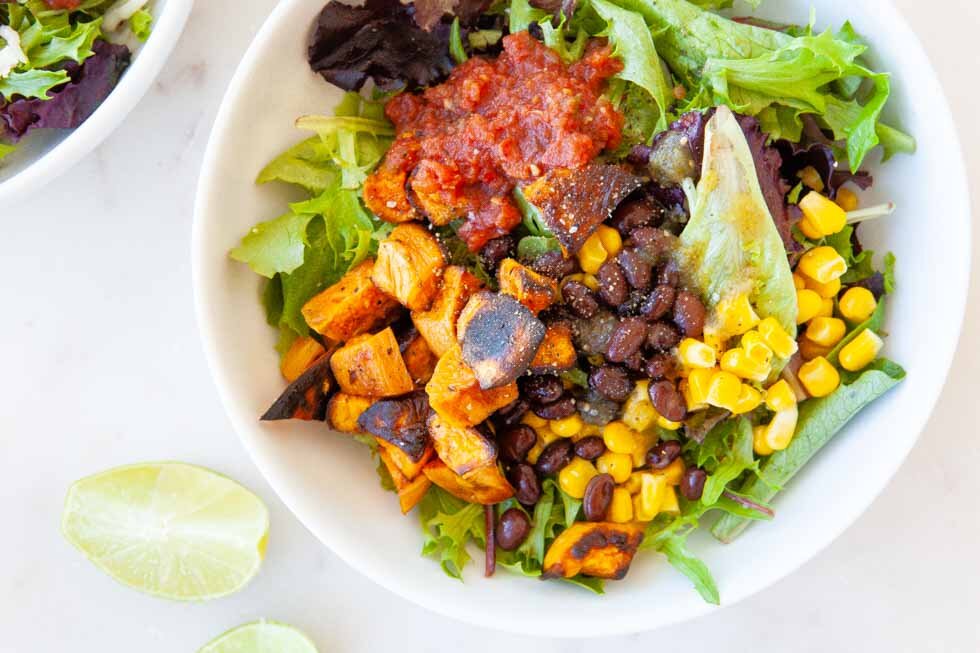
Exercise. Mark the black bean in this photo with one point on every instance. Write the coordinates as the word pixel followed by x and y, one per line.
pixel 660 366
pixel 613 289
pixel 496 251
pixel 638 271
pixel 635 363
pixel 631 214
pixel 668 400
pixel 663 453
pixel 512 529
pixel 527 488
pixel 651 243
pixel 658 303
pixel 564 407
pixel 611 382
pixel 553 264
pixel 662 336
pixel 632 305
pixel 692 483
pixel 590 447
pixel 689 314
pixel 580 299
pixel 598 496
pixel 669 274
pixel 514 443
pixel 626 339
pixel 511 413
pixel 555 457
pixel 541 388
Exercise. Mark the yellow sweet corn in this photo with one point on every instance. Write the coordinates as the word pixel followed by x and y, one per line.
pixel 823 214
pixel 825 290
pixel 857 304
pixel 611 241
pixel 756 348
pixel 860 352
pixel 847 199
pixel 826 308
pixel 782 428
pixel 589 429
pixel 807 305
pixel 575 476
pixel 714 338
pixel 780 396
pixel 759 444
pixel 591 282
pixel 810 350
pixel 694 353
pixel 737 315
pixel 592 255
pixel 822 264
pixel 819 377
pixel 695 388
pixel 533 420
pixel 811 179
pixel 646 504
pixel 775 336
pixel 724 390
pixel 535 452
pixel 643 443
pixel 809 229
pixel 638 413
pixel 674 472
pixel 546 435
pixel 566 427
pixel 669 504
pixel 621 507
pixel 634 482
pixel 665 423
pixel 826 331
pixel 798 281
pixel 739 363
pixel 748 400
pixel 619 437
pixel 617 465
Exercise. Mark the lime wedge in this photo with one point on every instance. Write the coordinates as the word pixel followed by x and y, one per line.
pixel 169 529
pixel 261 637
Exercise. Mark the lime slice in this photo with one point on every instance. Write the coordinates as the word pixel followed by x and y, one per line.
pixel 261 637
pixel 168 529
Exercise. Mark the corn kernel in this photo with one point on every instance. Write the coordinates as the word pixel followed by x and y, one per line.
pixel 756 348
pixel 611 241
pixel 589 430
pixel 811 179
pixel 667 424
pixel 634 482
pixel 774 335
pixel 819 377
pixel 591 282
pixel 694 353
pixel 822 264
pixel 780 396
pixel 669 504
pixel 643 443
pixel 724 390
pixel 782 428
pixel 617 465
pixel 798 281
pixel 535 452
pixel 857 304
pixel 619 437
pixel 592 255
pixel 826 308
pixel 858 353
pixel 568 426
pixel 748 400
pixel 673 472
pixel 546 435
pixel 638 413
pixel 621 507
pixel 825 290
pixel 807 305
pixel 810 350
pixel 714 338
pixel 809 229
pixel 847 199
pixel 823 214
pixel 575 476
pixel 533 420
pixel 739 363
pixel 695 388
pixel 737 315
pixel 826 331
pixel 759 444
pixel 646 504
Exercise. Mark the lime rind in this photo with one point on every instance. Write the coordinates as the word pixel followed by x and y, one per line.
pixel 170 529
pixel 261 636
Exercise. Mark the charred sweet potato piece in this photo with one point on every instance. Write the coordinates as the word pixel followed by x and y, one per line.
pixel 418 357
pixel 350 307
pixel 462 448
pixel 385 195
pixel 372 366
pixel 402 422
pixel 573 203
pixel 343 411
pixel 410 468
pixel 485 485
pixel 438 324
pixel 534 290
pixel 499 337
pixel 410 490
pixel 433 187
pixel 599 549
pixel 557 351
pixel 301 354
pixel 409 266
pixel 456 395
pixel 306 397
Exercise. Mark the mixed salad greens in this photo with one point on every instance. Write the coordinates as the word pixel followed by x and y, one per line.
pixel 744 134
pixel 59 59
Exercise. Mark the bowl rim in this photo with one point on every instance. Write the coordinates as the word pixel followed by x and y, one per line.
pixel 135 82
pixel 958 276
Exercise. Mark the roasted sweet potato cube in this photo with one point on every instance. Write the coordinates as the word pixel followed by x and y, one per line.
pixel 385 194
pixel 350 307
pixel 402 422
pixel 485 485
pixel 371 366
pixel 419 358
pixel 499 338
pixel 305 398
pixel 343 411
pixel 438 324
pixel 599 549
pixel 456 395
pixel 301 354
pixel 462 448
pixel 410 468
pixel 410 489
pixel 409 266
pixel 557 351
pixel 534 290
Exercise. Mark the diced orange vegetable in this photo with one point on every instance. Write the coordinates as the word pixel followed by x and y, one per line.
pixel 372 366
pixel 344 409
pixel 350 307
pixel 409 266
pixel 419 359
pixel 438 324
pixel 301 354
pixel 462 448
pixel 557 351
pixel 499 337
pixel 456 395
pixel 305 398
pixel 410 490
pixel 534 290
pixel 599 549
pixel 384 193
pixel 403 461
pixel 485 485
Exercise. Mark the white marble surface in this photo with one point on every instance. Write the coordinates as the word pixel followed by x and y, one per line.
pixel 102 366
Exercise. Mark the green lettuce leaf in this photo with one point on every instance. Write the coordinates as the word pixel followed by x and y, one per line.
pixel 77 46
pixel 6 149
pixel 308 164
pixel 449 524
pixel 275 246
pixel 726 454
pixel 141 24
pixel 32 83
pixel 456 50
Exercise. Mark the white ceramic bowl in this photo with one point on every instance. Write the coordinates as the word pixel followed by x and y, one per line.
pixel 45 154
pixel 329 481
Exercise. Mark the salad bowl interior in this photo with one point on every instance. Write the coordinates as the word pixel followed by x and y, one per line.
pixel 329 481
pixel 47 153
